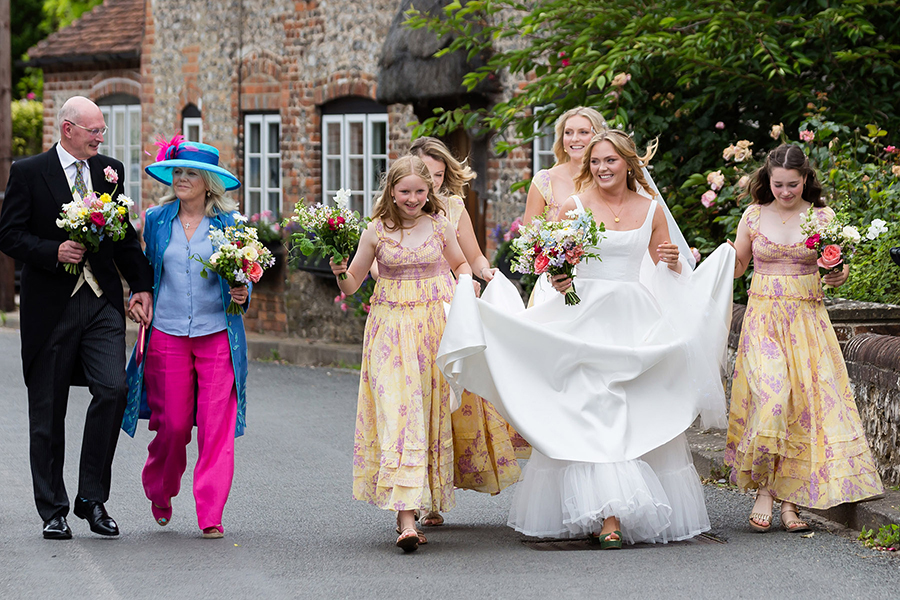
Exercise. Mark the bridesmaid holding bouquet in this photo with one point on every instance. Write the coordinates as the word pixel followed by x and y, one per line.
pixel 794 432
pixel 403 447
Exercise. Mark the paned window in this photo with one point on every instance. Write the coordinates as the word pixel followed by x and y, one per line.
pixel 542 151
pixel 123 142
pixel 354 157
pixel 192 129
pixel 262 164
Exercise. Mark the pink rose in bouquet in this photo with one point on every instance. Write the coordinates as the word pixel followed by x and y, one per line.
pixel 813 241
pixel 541 262
pixel 98 219
pixel 255 272
pixel 831 257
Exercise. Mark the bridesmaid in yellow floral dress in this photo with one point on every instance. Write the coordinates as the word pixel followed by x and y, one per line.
pixel 794 432
pixel 403 447
pixel 485 447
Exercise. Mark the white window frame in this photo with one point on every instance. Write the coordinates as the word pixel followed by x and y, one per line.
pixel 265 188
pixel 537 153
pixel 123 152
pixel 188 123
pixel 370 188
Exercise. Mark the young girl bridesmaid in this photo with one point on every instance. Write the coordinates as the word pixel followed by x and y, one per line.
pixel 794 433
pixel 403 447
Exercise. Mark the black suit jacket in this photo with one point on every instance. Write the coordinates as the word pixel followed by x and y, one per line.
pixel 36 191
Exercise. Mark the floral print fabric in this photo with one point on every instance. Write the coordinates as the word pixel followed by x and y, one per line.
pixel 485 447
pixel 794 427
pixel 403 446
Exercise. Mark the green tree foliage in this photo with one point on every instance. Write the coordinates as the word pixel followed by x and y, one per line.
pixel 61 13
pixel 31 21
pixel 697 73
pixel 27 125
pixel 26 31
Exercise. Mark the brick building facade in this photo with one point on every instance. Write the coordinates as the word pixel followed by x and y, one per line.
pixel 285 90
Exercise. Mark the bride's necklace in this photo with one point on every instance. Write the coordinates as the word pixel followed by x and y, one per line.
pixel 615 214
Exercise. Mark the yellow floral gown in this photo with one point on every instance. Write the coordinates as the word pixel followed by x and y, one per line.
pixel 403 447
pixel 794 428
pixel 485 446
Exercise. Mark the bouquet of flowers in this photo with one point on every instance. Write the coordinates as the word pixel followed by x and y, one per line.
pixel 327 230
pixel 91 219
pixel 835 242
pixel 238 257
pixel 555 247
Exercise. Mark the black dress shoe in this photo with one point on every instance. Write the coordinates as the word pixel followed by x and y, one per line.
pixel 95 514
pixel 56 528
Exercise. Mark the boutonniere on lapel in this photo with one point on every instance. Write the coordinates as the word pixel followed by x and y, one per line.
pixel 92 219
pixel 111 176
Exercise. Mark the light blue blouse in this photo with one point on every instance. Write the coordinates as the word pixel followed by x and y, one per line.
pixel 188 305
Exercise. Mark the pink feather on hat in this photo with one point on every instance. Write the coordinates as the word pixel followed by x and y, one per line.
pixel 167 148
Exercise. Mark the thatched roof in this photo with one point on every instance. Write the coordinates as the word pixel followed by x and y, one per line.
pixel 410 73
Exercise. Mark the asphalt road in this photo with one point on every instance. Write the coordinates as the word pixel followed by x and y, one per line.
pixel 292 530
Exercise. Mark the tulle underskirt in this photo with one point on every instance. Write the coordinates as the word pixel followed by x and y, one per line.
pixel 657 498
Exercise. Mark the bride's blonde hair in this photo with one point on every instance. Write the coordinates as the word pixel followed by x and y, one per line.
pixel 626 148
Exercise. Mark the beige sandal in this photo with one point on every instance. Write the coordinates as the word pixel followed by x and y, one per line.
pixel 408 540
pixel 793 525
pixel 757 517
pixel 431 519
pixel 422 539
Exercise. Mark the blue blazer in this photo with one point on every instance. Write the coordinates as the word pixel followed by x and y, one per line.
pixel 157 233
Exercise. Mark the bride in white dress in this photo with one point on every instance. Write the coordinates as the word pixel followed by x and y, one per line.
pixel 605 389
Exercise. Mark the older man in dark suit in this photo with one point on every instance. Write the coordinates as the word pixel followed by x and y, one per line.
pixel 73 326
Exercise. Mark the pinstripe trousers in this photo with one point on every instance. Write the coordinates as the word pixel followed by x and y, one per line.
pixel 94 331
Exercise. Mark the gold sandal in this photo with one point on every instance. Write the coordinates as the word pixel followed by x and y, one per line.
pixel 793 525
pixel 757 517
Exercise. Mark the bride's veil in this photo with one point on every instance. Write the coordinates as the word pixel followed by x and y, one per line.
pixel 675 234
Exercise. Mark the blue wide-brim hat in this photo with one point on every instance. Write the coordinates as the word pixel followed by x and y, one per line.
pixel 190 155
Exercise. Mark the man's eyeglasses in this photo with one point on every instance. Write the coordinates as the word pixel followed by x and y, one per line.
pixel 93 132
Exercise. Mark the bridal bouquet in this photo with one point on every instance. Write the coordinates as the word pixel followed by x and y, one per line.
pixel 90 220
pixel 238 257
pixel 327 230
pixel 555 247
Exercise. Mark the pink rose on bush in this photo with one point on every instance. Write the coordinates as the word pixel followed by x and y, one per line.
pixel 720 125
pixel 255 273
pixel 813 241
pixel 831 257
pixel 807 135
pixel 708 198
pixel 97 219
pixel 541 262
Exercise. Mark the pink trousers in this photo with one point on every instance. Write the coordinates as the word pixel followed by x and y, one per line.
pixel 183 375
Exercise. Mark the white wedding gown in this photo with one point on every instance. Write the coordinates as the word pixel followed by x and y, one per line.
pixel 603 390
